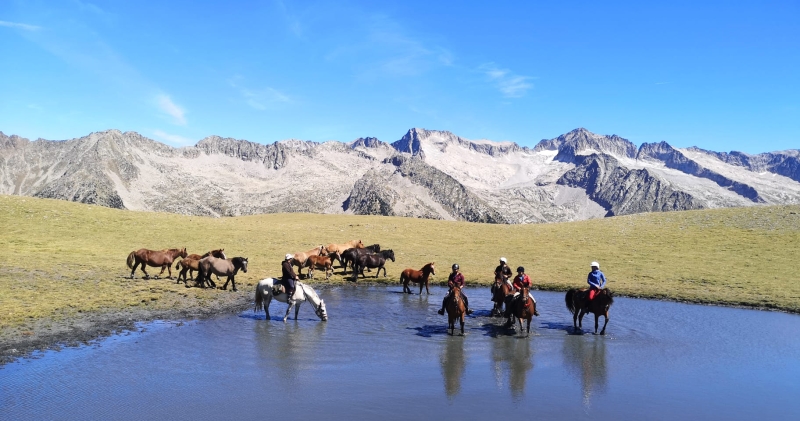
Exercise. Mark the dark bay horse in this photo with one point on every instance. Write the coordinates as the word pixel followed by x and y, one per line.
pixel 455 310
pixel 349 256
pixel 500 290
pixel 190 263
pixel 155 258
pixel 523 307
pixel 576 303
pixel 340 248
pixel 377 260
pixel 220 267
pixel 420 277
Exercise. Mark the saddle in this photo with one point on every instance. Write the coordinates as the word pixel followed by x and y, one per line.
pixel 278 289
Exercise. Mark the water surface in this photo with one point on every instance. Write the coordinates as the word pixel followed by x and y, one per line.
pixel 386 354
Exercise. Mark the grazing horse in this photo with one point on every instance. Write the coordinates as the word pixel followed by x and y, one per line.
pixel 340 248
pixel 302 292
pixel 155 258
pixel 220 267
pixel 320 262
pixel 455 310
pixel 523 307
pixel 299 258
pixel 500 290
pixel 576 303
pixel 190 263
pixel 418 277
pixel 372 261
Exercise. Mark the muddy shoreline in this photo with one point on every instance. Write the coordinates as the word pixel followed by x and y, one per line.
pixel 86 328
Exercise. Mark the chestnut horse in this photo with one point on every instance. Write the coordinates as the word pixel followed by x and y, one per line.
pixel 576 304
pixel 418 277
pixel 300 257
pixel 523 307
pixel 190 263
pixel 500 290
pixel 220 267
pixel 340 248
pixel 320 262
pixel 455 310
pixel 155 258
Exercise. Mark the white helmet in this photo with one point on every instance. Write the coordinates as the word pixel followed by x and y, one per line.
pixel 596 265
pixel 289 256
pixel 503 259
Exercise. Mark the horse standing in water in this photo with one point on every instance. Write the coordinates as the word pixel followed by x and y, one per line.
pixel 220 267
pixel 455 310
pixel 265 293
pixel 576 303
pixel 418 277
pixel 500 290
pixel 155 258
pixel 523 307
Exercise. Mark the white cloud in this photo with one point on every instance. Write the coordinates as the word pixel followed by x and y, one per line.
pixel 24 26
pixel 173 138
pixel 510 84
pixel 168 107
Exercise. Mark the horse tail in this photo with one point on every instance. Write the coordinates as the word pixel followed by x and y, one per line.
pixel 569 300
pixel 131 259
pixel 177 263
pixel 403 277
pixel 259 298
pixel 201 276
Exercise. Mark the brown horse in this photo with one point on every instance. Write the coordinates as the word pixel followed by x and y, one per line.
pixel 576 300
pixel 300 257
pixel 320 262
pixel 418 277
pixel 500 290
pixel 155 258
pixel 190 263
pixel 523 307
pixel 455 310
pixel 340 248
pixel 220 267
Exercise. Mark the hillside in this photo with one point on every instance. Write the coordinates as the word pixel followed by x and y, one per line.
pixel 426 174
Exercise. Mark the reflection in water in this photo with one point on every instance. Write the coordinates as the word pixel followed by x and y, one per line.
pixel 585 357
pixel 512 357
pixel 453 365
pixel 287 346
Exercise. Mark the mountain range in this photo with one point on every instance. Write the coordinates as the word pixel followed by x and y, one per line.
pixel 425 174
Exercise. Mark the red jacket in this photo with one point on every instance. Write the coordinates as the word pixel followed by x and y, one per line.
pixel 456 279
pixel 522 281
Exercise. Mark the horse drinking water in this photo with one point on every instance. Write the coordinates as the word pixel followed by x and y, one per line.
pixel 302 292
pixel 155 258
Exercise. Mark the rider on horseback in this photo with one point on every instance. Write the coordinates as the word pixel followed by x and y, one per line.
pixel 596 281
pixel 456 279
pixel 522 280
pixel 288 277
pixel 502 271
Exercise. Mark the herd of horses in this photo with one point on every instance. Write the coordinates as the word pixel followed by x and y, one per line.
pixel 355 256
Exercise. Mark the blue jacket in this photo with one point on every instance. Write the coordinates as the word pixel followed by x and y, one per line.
pixel 596 279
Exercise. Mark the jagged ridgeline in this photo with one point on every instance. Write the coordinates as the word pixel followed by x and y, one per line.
pixel 426 174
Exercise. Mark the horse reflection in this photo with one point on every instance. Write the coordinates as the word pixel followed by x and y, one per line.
pixel 586 358
pixel 285 352
pixel 453 365
pixel 512 358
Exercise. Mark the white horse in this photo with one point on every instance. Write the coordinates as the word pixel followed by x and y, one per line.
pixel 302 293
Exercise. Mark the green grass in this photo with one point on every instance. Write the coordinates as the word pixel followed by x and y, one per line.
pixel 60 258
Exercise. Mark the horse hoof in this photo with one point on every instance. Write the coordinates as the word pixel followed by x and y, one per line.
pixel 234 290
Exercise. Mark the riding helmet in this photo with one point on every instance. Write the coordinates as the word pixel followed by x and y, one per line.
pixel 596 265
pixel 288 256
pixel 503 259
pixel 520 269
pixel 455 266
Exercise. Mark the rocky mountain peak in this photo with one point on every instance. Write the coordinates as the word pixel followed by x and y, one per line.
pixel 367 142
pixel 583 142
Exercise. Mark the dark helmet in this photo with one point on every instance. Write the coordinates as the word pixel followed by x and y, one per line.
pixel 520 269
pixel 455 266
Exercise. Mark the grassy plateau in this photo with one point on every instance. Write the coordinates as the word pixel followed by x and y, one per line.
pixel 60 260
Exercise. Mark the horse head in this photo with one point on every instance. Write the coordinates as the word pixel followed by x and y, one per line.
pixel 359 245
pixel 183 253
pixel 240 262
pixel 321 311
pixel 429 268
pixel 388 254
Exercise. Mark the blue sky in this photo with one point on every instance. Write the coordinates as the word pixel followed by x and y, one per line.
pixel 718 75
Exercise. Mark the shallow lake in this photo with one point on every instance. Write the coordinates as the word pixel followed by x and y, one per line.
pixel 384 354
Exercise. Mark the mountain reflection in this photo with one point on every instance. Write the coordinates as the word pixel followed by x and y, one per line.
pixel 512 359
pixel 453 365
pixel 585 357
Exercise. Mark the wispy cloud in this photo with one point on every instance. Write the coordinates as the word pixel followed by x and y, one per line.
pixel 260 99
pixel 173 138
pixel 167 106
pixel 662 83
pixel 17 25
pixel 509 83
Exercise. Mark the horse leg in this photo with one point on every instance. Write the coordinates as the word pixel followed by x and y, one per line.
pixel 580 319
pixel 596 319
pixel 462 324
pixel 297 309
pixel 603 332
pixel 291 304
pixel 142 267
pixel 233 283
pixel 135 263
pixel 163 268
pixel 266 305
pixel 169 270
pixel 528 327
pixel 575 319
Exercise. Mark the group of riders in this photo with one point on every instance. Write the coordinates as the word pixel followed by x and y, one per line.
pixel 595 279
